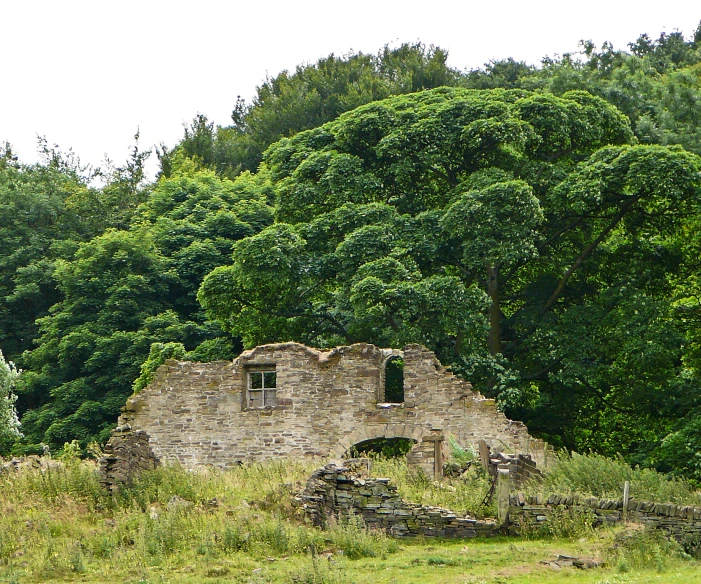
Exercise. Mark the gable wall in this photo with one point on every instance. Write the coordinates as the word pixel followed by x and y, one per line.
pixel 195 413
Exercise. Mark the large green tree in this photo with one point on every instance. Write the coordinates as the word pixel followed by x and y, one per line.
pixel 46 210
pixel 655 83
pixel 523 236
pixel 306 98
pixel 127 289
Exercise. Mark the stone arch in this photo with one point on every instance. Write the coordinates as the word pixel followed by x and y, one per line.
pixel 410 431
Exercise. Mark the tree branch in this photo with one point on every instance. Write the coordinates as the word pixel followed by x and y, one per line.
pixel 585 254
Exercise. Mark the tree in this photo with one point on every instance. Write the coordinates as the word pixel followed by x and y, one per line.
pixel 655 85
pixel 9 424
pixel 306 98
pixel 46 210
pixel 41 219
pixel 125 290
pixel 507 230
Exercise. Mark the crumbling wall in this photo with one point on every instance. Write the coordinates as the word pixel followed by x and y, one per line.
pixel 126 454
pixel 521 468
pixel 334 493
pixel 197 414
pixel 438 395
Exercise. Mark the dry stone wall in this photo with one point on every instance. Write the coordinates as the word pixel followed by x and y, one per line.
pixel 335 493
pixel 521 467
pixel 677 521
pixel 197 414
pixel 339 491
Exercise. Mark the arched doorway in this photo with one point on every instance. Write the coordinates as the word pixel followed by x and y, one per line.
pixel 388 447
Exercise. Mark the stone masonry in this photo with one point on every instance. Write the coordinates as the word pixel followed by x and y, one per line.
pixel 324 402
pixel 126 454
pixel 335 493
pixel 339 491
pixel 678 521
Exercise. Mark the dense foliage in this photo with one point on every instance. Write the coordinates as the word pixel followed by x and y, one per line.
pixel 312 95
pixel 538 227
pixel 442 215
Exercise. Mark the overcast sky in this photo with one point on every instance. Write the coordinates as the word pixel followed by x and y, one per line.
pixel 87 74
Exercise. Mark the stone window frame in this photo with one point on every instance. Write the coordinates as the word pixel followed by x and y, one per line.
pixel 387 356
pixel 264 401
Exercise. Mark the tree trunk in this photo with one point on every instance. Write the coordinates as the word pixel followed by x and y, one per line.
pixel 494 310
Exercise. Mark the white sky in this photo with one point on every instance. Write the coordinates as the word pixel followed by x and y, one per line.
pixel 87 73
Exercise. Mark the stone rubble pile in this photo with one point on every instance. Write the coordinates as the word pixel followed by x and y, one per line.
pixel 31 462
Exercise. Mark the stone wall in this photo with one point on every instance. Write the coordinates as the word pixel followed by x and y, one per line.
pixel 126 454
pixel 197 414
pixel 521 467
pixel 675 520
pixel 338 491
pixel 334 493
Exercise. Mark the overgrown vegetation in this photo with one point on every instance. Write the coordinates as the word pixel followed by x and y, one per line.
pixel 62 522
pixel 243 526
pixel 537 227
pixel 637 549
pixel 596 475
pixel 463 495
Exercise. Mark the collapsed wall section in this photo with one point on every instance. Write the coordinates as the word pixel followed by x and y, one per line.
pixel 448 402
pixel 335 493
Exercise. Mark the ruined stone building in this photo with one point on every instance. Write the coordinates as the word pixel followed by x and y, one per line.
pixel 288 400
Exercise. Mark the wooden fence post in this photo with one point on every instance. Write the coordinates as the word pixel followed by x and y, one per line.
pixel 626 498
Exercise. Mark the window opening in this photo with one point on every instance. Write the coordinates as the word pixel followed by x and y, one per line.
pixel 394 380
pixel 262 389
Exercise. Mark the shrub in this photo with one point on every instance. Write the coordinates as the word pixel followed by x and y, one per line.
pixel 460 455
pixel 9 424
pixel 351 538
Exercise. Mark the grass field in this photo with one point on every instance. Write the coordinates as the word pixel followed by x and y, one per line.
pixel 244 526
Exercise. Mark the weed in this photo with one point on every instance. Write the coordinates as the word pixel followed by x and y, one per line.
pixel 462 456
pixel 643 549
pixel 463 495
pixel 352 539
pixel 438 561
pixel 318 573
pixel 561 523
pixel 691 544
pixel 596 475
pixel 76 559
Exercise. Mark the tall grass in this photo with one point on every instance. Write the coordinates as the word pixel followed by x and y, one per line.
pixel 58 522
pixel 596 475
pixel 462 495
pixel 644 549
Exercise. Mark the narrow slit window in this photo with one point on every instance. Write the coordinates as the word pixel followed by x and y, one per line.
pixel 262 389
pixel 394 380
